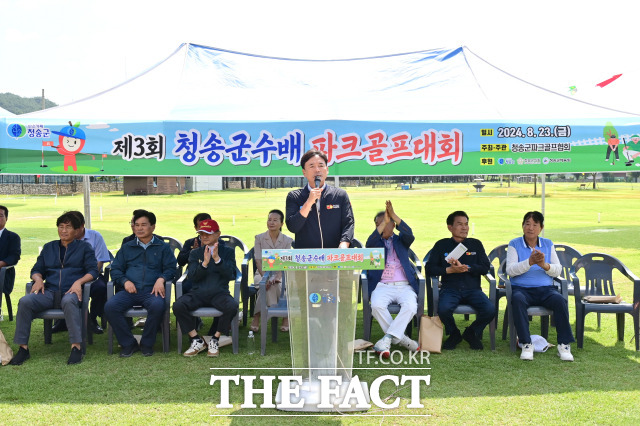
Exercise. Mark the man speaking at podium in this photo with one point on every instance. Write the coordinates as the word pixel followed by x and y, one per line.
pixel 319 215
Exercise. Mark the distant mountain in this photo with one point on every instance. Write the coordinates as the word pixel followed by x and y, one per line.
pixel 19 105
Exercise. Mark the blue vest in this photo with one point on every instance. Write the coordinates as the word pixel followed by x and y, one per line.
pixel 535 276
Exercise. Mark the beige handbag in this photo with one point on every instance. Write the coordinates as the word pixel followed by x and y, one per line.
pixel 5 350
pixel 431 334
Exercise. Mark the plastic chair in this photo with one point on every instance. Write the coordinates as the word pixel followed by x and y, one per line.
pixel 394 308
pixel 236 243
pixel 7 297
pixel 175 246
pixel 540 311
pixel 598 271
pixel 500 253
pixel 248 293
pixel 48 315
pixel 250 296
pixel 273 312
pixel 103 319
pixel 139 311
pixel 356 243
pixel 433 292
pixel 210 312
pixel 567 256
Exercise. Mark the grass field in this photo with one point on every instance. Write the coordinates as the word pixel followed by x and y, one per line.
pixel 601 386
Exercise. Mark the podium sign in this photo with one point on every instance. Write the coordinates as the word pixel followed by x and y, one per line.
pixel 322 300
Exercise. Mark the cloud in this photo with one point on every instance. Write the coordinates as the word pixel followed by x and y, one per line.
pixel 113 130
pixel 98 126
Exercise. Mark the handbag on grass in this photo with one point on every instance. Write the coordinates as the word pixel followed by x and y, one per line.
pixel 430 338
pixel 5 350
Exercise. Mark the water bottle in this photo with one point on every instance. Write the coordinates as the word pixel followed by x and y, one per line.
pixel 251 344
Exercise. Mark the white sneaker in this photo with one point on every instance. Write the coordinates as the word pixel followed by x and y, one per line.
pixel 409 344
pixel 213 348
pixel 383 345
pixel 564 352
pixel 197 346
pixel 527 352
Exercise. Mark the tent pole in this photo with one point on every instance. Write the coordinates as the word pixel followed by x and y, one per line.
pixel 87 201
pixel 542 198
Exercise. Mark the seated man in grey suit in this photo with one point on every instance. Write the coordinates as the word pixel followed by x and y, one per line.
pixel 62 268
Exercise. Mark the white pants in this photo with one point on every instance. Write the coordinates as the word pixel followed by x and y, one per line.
pixel 383 296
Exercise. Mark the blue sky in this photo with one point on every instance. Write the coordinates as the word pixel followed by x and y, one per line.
pixel 74 49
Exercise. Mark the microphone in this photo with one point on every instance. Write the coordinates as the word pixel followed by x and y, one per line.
pixel 317 183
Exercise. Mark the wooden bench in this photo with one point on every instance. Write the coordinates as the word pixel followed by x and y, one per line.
pixel 583 186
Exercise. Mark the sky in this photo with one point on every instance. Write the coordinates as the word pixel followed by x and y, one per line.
pixel 74 49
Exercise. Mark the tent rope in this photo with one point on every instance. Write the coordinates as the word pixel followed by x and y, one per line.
pixel 547 90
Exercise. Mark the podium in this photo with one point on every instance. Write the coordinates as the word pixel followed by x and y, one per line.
pixel 322 298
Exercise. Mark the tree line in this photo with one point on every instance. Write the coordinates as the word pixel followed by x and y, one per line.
pixel 19 105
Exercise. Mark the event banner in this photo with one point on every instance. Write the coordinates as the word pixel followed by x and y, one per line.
pixel 354 148
pixel 317 259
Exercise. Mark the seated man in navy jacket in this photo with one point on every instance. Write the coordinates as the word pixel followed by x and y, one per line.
pixel 62 268
pixel 9 253
pixel 396 284
pixel 142 266
pixel 461 281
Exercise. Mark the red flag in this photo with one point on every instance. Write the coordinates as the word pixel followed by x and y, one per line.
pixel 104 155
pixel 47 143
pixel 609 80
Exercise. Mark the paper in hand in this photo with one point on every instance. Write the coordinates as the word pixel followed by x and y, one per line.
pixel 457 252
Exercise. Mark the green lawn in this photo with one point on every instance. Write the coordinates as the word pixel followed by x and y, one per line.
pixel 601 386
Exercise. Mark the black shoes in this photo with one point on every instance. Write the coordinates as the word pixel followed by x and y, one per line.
pixel 474 342
pixel 75 357
pixel 452 341
pixel 146 350
pixel 20 357
pixel 23 354
pixel 127 351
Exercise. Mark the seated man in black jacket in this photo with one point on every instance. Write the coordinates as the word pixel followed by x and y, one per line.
pixel 211 267
pixel 460 277
pixel 190 244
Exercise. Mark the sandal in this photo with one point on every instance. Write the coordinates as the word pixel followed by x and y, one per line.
pixel 254 327
pixel 284 327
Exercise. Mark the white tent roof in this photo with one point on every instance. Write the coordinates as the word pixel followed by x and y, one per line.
pixel 203 83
